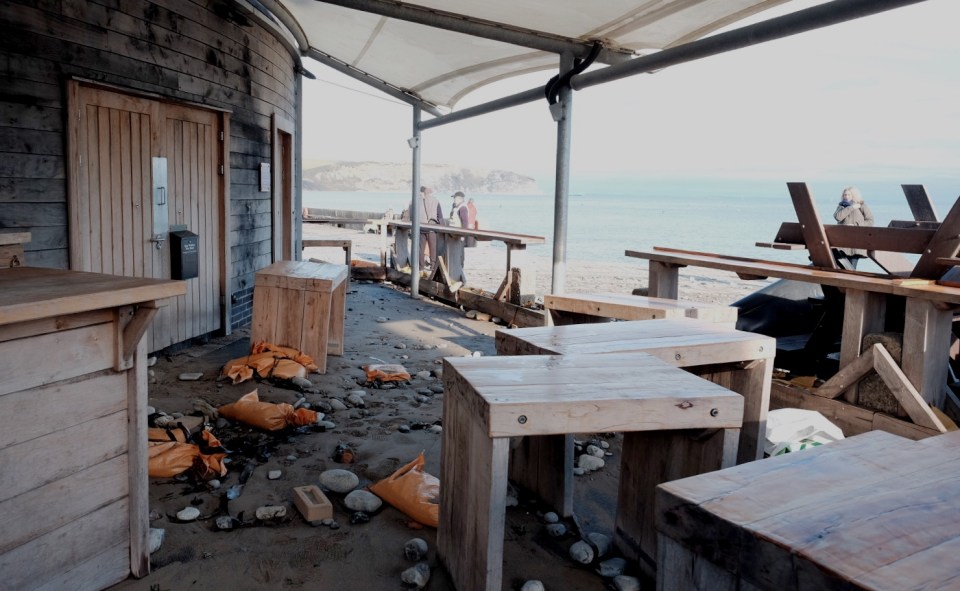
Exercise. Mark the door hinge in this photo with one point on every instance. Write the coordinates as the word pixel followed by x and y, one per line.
pixel 221 170
pixel 221 136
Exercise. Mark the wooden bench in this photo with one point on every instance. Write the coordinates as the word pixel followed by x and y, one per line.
pixel 571 308
pixel 346 245
pixel 874 511
pixel 488 400
pixel 301 304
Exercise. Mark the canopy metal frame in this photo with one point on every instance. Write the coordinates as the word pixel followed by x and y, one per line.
pixel 622 66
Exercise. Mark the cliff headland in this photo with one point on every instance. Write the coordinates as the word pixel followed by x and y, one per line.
pixel 395 177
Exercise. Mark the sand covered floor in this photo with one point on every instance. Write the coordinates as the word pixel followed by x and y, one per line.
pixel 384 428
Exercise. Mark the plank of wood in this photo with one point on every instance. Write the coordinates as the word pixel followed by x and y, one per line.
pixel 945 243
pixel 851 419
pixel 44 559
pixel 663 280
pixel 848 376
pixel 864 312
pixel 814 236
pixel 536 395
pixel 66 355
pixel 648 460
pixel 836 278
pixel 921 206
pixel 137 471
pixel 89 443
pixel 29 414
pixel 473 502
pixel 905 238
pixel 908 397
pixel 74 496
pixel 97 572
pixel 29 293
pixel 544 466
pixel 505 237
pixel 631 307
pixel 893 263
pixel 926 343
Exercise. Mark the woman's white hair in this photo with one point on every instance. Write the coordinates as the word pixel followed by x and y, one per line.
pixel 854 194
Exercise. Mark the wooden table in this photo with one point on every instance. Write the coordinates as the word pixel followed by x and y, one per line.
pixel 874 511
pixel 489 400
pixel 73 426
pixel 301 304
pixel 738 360
pixel 928 316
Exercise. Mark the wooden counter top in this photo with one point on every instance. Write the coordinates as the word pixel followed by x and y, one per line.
pixel 29 293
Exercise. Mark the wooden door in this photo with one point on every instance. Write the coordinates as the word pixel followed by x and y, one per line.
pixel 284 208
pixel 114 139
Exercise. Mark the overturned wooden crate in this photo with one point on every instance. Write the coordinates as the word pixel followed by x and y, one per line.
pixel 301 304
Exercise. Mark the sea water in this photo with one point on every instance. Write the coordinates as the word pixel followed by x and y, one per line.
pixel 606 217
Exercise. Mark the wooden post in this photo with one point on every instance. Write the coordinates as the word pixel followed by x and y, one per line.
pixel 863 313
pixel 926 348
pixel 663 280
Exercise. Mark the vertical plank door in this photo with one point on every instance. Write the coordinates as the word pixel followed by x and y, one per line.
pixel 113 140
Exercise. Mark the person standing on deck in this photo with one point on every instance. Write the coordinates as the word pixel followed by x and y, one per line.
pixel 851 211
pixel 472 222
pixel 430 213
pixel 459 214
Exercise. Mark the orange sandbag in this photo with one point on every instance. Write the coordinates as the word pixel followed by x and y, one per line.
pixel 267 360
pixel 170 458
pixel 267 415
pixel 412 491
pixel 386 373
pixel 288 352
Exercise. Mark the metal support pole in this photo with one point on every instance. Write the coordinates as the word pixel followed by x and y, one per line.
pixel 564 118
pixel 415 208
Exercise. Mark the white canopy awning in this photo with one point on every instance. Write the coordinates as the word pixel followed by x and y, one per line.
pixel 437 51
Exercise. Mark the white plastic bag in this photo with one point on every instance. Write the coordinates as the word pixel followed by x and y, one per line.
pixel 794 429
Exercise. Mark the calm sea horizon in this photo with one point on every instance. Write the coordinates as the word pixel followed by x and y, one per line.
pixel 607 217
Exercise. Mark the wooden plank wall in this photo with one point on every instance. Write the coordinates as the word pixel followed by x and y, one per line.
pixel 183 50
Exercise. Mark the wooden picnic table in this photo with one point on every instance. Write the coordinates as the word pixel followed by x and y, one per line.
pixel 929 296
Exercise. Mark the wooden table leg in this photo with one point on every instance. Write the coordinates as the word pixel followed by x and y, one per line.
pixel 663 280
pixel 316 325
pixel 926 347
pixel 650 458
pixel 338 307
pixel 753 383
pixel 473 472
pixel 543 465
pixel 863 313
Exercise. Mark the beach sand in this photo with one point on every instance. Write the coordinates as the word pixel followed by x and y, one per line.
pixel 383 325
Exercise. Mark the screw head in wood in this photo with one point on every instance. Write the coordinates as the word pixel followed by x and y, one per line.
pixel 522 419
pixel 714 412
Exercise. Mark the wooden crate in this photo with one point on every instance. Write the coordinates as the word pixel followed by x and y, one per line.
pixel 73 496
pixel 301 304
pixel 488 400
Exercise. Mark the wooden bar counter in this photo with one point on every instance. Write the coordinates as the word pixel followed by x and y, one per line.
pixel 73 497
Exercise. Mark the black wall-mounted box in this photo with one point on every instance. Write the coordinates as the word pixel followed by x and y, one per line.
pixel 184 255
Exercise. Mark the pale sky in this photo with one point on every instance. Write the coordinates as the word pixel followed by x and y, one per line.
pixel 873 99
